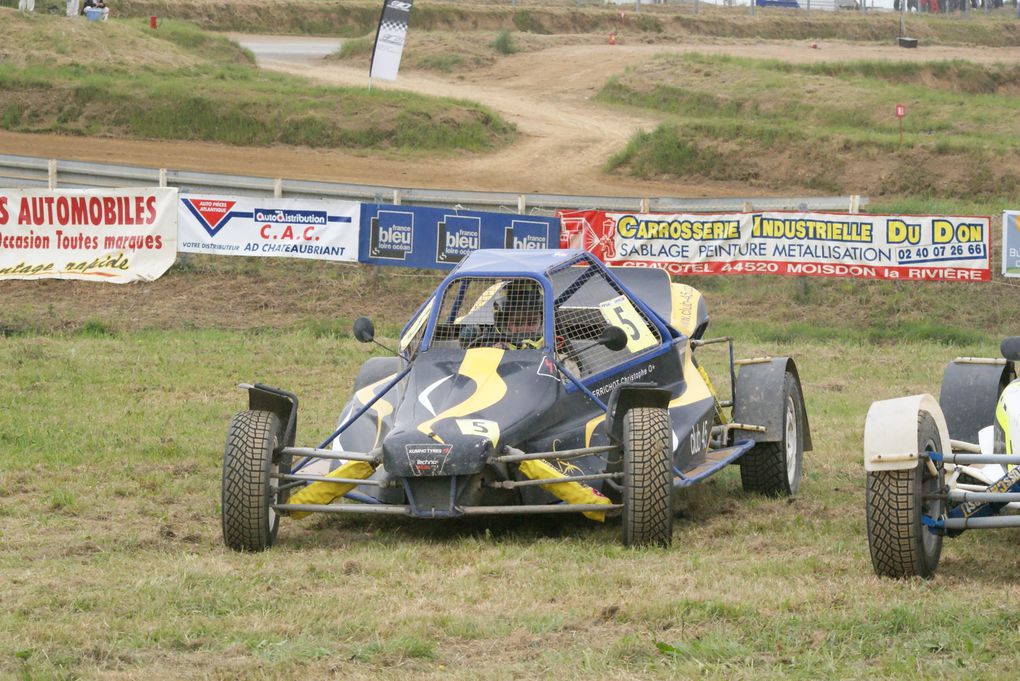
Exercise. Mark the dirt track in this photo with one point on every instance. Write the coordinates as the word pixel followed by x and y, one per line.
pixel 565 138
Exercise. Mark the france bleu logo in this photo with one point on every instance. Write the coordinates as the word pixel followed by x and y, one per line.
pixel 457 236
pixel 391 235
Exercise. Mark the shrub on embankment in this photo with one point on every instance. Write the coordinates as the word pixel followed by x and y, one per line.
pixel 827 127
pixel 181 83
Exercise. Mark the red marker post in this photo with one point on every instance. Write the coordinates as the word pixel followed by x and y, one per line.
pixel 901 111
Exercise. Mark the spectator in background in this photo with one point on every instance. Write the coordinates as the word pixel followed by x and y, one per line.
pixel 106 10
pixel 85 5
pixel 26 5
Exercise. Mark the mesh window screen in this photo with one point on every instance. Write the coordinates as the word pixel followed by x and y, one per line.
pixel 586 303
pixel 490 312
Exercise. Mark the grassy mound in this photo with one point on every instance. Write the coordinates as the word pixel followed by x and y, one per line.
pixel 662 22
pixel 180 83
pixel 827 127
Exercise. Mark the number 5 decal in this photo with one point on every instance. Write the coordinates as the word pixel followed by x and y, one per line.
pixel 480 427
pixel 620 312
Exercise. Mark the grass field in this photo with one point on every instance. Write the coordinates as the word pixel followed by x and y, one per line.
pixel 182 83
pixel 114 565
pixel 114 401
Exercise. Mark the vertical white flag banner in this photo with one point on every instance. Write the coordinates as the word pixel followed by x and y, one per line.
pixel 389 39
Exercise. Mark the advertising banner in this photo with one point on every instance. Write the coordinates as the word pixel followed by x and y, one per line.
pixel 389 39
pixel 1010 244
pixel 439 238
pixel 114 235
pixel 288 228
pixel 911 247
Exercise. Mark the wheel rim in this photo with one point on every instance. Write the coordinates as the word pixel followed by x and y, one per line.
pixel 273 471
pixel 791 441
pixel 929 507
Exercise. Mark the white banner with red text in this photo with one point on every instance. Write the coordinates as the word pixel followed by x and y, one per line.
pixel 291 228
pixel 908 247
pixel 114 235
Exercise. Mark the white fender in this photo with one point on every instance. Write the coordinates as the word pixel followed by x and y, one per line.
pixel 890 432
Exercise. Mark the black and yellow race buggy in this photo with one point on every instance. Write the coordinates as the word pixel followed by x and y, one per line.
pixel 601 410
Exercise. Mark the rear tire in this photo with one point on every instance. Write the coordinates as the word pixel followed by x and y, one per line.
pixel 647 477
pixel 248 492
pixel 901 546
pixel 775 468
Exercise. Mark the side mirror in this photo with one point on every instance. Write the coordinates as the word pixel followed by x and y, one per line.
pixel 364 330
pixel 614 338
pixel 1011 348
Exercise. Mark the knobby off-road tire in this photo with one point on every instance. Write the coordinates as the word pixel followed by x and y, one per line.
pixel 901 546
pixel 647 477
pixel 774 468
pixel 248 492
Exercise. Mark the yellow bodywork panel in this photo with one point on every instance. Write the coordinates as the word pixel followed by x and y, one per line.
pixel 570 492
pixel 1003 418
pixel 327 492
pixel 684 314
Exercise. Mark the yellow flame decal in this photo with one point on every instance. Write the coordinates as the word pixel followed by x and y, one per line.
pixel 382 408
pixel 480 366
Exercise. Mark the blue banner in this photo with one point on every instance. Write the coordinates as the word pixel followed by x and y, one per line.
pixel 439 238
pixel 1010 244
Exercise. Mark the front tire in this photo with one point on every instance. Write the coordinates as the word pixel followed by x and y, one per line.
pixel 775 468
pixel 647 477
pixel 901 546
pixel 248 493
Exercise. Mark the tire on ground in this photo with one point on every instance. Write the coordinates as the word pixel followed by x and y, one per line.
pixel 647 477
pixel 774 468
pixel 248 491
pixel 901 546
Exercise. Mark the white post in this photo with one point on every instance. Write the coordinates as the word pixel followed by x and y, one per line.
pixel 855 203
pixel 162 177
pixel 396 197
pixel 521 207
pixel 51 172
pixel 278 188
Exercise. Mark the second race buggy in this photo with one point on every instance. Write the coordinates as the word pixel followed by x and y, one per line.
pixel 937 468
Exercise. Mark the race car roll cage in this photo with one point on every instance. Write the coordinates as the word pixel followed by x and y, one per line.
pixel 623 398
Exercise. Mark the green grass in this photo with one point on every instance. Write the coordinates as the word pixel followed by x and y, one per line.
pixel 354 47
pixel 207 88
pixel 109 517
pixel 728 118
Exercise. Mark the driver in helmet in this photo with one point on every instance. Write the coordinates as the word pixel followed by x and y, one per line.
pixel 518 317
